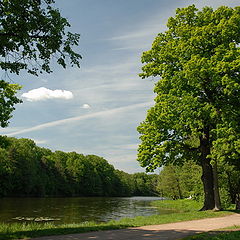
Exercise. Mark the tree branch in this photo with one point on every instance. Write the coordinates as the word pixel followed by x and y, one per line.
pixel 6 34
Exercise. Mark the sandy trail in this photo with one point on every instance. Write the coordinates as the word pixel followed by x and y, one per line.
pixel 168 231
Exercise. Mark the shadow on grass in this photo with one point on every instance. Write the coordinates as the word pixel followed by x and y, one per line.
pixel 88 233
pixel 233 211
pixel 129 233
pixel 233 234
pixel 56 231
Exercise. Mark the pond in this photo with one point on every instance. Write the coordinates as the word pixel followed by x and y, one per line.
pixel 75 210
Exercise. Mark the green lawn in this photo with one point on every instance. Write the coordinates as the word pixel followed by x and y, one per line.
pixel 186 210
pixel 223 235
pixel 181 205
pixel 230 233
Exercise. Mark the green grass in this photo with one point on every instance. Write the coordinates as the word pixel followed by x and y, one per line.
pixel 229 233
pixel 181 205
pixel 216 236
pixel 187 210
pixel 232 228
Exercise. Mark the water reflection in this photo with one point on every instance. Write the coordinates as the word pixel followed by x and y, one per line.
pixel 75 210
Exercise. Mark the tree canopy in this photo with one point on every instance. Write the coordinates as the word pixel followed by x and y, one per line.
pixel 178 182
pixel 32 33
pixel 197 62
pixel 28 170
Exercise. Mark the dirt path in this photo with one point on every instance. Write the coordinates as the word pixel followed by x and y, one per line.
pixel 169 231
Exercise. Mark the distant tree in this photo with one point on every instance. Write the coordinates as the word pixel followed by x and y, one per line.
pixel 197 61
pixel 32 32
pixel 145 184
pixel 62 178
pixel 125 185
pixel 229 182
pixel 180 181
pixel 26 163
pixel 106 175
pixel 169 183
pixel 6 172
pixel 28 170
pixel 190 180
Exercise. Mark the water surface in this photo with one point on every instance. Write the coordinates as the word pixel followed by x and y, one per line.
pixel 75 210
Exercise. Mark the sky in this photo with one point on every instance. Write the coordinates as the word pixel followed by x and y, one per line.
pixel 95 109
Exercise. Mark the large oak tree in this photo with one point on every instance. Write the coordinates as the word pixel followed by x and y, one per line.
pixel 196 112
pixel 32 33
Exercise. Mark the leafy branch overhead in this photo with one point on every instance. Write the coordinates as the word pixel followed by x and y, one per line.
pixel 7 101
pixel 197 61
pixel 32 33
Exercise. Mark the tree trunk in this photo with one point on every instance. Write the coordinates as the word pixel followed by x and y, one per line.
pixel 232 191
pixel 207 172
pixel 237 201
pixel 207 179
pixel 216 188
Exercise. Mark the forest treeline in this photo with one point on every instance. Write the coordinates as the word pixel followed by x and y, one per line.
pixel 29 170
pixel 176 182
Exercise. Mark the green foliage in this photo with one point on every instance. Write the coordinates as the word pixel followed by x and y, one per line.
pixel 28 170
pixel 185 181
pixel 190 180
pixel 197 61
pixel 32 33
pixel 126 187
pixel 168 183
pixel 7 101
pixel 196 112
pixel 229 181
pixel 180 181
pixel 225 198
pixel 145 185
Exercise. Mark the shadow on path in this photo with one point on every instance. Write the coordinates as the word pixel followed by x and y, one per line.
pixel 128 234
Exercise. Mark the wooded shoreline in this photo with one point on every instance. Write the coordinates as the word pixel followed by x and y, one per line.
pixel 27 170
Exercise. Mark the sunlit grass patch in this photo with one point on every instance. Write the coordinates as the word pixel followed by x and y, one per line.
pixel 181 205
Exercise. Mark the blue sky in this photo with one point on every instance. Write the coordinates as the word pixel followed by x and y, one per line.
pixel 105 100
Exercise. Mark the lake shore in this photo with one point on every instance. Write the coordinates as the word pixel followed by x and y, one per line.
pixel 188 210
pixel 173 231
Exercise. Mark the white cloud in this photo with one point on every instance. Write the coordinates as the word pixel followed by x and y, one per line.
pixel 139 36
pixel 140 33
pixel 86 106
pixel 9 130
pixel 43 93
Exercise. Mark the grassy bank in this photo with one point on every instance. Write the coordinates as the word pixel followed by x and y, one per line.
pixel 222 235
pixel 186 210
pixel 231 233
pixel 181 205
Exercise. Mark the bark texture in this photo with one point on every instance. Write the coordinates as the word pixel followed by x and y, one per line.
pixel 216 188
pixel 207 173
